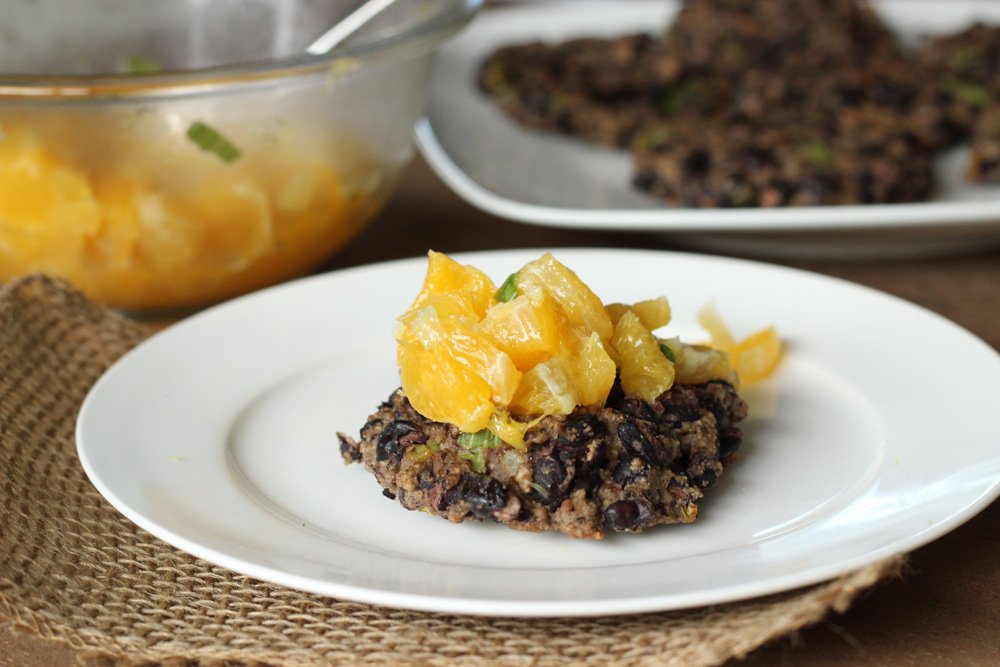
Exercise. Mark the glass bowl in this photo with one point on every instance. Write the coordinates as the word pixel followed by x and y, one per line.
pixel 170 154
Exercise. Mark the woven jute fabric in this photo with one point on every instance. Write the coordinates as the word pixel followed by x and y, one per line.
pixel 73 570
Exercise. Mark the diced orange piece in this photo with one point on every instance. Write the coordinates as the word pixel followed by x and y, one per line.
pixel 425 372
pixel 697 364
pixel 643 367
pixel 547 389
pixel 756 356
pixel 446 275
pixel 531 328
pixel 47 211
pixel 425 334
pixel 583 308
pixel 593 371
pixel 457 308
pixel 653 313
pixel 476 355
pixel 709 318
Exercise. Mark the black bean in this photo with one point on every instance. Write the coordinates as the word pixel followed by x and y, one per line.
pixel 616 395
pixel 721 414
pixel 587 470
pixel 681 464
pixel 370 424
pixel 426 479
pixel 644 181
pixel 679 407
pixel 629 470
pixel 729 442
pixel 638 408
pixel 645 445
pixel 588 479
pixel 889 94
pixel 565 123
pixel 754 157
pixel 705 479
pixel 866 183
pixel 697 163
pixel 782 189
pixel 581 431
pixel 388 447
pixel 847 95
pixel 550 476
pixel 628 514
pixel 349 449
pixel 484 494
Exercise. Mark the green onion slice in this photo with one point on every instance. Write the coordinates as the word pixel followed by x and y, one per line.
pixel 210 140
pixel 140 64
pixel 667 352
pixel 480 439
pixel 508 290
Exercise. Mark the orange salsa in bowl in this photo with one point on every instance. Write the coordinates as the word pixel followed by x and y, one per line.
pixel 168 224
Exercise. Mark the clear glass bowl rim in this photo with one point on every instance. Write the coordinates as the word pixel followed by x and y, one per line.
pixel 408 43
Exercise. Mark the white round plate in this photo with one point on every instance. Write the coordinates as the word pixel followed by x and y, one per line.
pixel 877 434
pixel 547 179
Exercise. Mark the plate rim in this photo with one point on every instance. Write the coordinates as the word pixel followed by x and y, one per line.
pixel 488 607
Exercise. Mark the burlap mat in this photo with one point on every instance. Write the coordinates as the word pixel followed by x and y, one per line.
pixel 73 570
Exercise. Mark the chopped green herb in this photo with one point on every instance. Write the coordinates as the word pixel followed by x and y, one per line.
pixel 652 139
pixel 539 489
pixel 508 290
pixel 476 443
pixel 668 353
pixel 419 453
pixel 679 96
pixel 971 93
pixel 485 438
pixel 140 64
pixel 966 58
pixel 817 154
pixel 209 140
pixel 477 460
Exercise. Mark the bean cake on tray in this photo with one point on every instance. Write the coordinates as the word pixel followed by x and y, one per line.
pixel 765 103
pixel 537 406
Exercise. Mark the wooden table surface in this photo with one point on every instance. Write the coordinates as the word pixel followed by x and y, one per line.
pixel 944 611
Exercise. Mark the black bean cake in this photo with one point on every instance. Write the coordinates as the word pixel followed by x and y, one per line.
pixel 623 467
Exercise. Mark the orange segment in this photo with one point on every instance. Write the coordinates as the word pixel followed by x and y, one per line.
pixel 47 210
pixel 753 358
pixel 697 364
pixel 458 308
pixel 643 367
pixel 470 360
pixel 135 231
pixel 653 313
pixel 593 371
pixel 455 374
pixel 547 389
pixel 756 357
pixel 531 328
pixel 709 318
pixel 423 372
pixel 446 275
pixel 583 308
pixel 477 356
